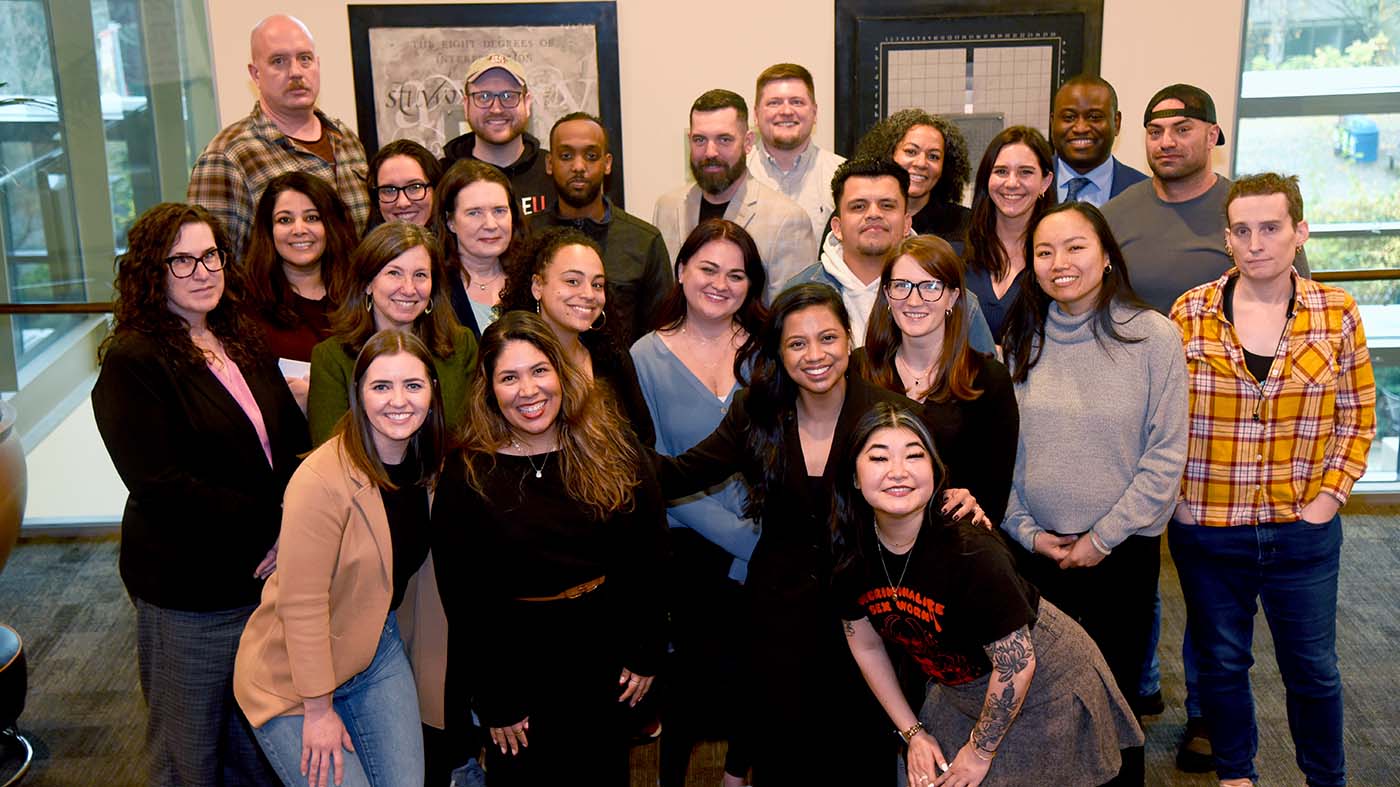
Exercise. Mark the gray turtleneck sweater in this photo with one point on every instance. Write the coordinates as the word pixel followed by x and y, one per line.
pixel 1103 430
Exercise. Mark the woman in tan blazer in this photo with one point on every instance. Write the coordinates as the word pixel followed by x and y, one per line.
pixel 321 671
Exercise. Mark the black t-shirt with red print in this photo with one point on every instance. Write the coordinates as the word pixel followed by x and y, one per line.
pixel 960 593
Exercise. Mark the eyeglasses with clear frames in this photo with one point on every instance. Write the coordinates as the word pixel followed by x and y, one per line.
pixel 415 192
pixel 182 265
pixel 509 99
pixel 930 291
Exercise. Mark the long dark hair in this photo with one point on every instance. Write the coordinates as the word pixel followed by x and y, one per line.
pixel 141 303
pixel 956 365
pixel 1024 337
pixel 852 518
pixel 268 289
pixel 751 312
pixel 598 460
pixel 772 394
pixel 425 448
pixel 353 324
pixel 538 255
pixel 432 173
pixel 983 249
pixel 884 137
pixel 458 176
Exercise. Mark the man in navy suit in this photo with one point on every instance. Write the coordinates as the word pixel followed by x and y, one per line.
pixel 1084 121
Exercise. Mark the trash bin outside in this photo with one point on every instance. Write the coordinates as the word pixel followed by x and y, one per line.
pixel 1357 138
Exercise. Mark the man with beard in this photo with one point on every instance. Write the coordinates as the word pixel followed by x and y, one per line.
pixel 284 133
pixel 785 157
pixel 719 142
pixel 497 102
pixel 1084 122
pixel 634 255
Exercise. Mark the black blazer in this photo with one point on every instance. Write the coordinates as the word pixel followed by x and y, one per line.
pixel 203 506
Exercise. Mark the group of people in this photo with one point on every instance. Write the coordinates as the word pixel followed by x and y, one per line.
pixel 405 509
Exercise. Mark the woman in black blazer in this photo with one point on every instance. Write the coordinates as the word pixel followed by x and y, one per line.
pixel 811 715
pixel 205 434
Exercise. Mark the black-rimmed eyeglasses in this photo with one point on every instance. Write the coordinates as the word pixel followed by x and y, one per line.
pixel 900 289
pixel 509 99
pixel 182 265
pixel 415 192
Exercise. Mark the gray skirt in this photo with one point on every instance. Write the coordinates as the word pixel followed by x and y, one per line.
pixel 1072 725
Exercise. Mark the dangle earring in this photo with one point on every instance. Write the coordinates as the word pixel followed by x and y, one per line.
pixel 537 307
pixel 1298 249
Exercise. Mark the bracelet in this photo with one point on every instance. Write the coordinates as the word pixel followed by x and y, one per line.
pixel 977 751
pixel 908 735
pixel 1098 544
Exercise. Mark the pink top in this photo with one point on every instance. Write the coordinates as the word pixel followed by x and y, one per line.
pixel 227 372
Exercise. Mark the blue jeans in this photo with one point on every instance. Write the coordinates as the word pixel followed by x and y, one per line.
pixel 379 708
pixel 1292 569
pixel 1152 669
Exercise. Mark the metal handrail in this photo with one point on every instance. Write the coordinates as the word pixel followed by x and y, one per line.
pixel 56 308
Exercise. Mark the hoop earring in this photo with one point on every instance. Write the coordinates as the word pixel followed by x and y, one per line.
pixel 598 326
pixel 1107 269
pixel 429 308
pixel 369 303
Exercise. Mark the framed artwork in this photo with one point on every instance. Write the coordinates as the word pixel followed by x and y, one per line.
pixel 410 60
pixel 985 66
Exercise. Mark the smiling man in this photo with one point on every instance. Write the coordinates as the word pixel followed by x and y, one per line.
pixel 785 158
pixel 634 255
pixel 497 101
pixel 1084 123
pixel 284 133
pixel 720 140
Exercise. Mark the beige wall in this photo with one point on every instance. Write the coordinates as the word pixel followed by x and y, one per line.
pixel 667 59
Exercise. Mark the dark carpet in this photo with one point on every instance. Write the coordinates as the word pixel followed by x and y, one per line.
pixel 86 718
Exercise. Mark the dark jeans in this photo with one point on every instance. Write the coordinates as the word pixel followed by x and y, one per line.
pixel 1292 569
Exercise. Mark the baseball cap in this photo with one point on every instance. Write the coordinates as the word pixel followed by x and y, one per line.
pixel 485 63
pixel 1196 104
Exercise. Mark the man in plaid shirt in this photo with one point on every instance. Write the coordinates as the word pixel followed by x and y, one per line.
pixel 284 133
pixel 1282 413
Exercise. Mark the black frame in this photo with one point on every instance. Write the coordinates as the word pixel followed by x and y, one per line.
pixel 857 91
pixel 601 15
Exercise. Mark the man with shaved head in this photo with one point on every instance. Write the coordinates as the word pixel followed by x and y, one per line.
pixel 284 133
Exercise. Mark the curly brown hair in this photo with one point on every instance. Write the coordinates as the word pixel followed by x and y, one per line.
pixel 598 456
pixel 882 139
pixel 140 304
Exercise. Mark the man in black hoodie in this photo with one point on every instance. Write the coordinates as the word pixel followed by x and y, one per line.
pixel 497 103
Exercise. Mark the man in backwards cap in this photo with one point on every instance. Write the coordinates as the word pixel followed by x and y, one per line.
pixel 497 102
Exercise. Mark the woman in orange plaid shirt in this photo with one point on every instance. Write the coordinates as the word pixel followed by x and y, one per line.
pixel 1282 415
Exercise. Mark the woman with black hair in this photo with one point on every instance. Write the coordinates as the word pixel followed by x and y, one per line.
pixel 811 719
pixel 402 178
pixel 1011 679
pixel 1101 384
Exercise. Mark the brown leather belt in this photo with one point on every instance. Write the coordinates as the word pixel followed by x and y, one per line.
pixel 574 592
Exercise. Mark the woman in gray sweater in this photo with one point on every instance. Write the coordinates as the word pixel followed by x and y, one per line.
pixel 1101 383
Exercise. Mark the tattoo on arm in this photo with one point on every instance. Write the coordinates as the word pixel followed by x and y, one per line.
pixel 1011 657
pixel 850 628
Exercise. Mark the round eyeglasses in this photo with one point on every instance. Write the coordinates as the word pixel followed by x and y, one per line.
pixel 509 99
pixel 415 192
pixel 182 265
pixel 929 291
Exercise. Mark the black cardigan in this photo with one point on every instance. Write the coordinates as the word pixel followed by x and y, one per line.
pixel 203 506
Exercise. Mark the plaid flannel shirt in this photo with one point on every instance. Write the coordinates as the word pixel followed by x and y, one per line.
pixel 1260 452
pixel 233 170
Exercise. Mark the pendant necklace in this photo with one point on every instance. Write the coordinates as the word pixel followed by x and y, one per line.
pixel 908 558
pixel 539 471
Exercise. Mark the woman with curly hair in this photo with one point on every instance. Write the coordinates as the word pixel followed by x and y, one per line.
pixel 204 433
pixel 562 280
pixel 299 248
pixel 402 176
pixel 932 149
pixel 396 281
pixel 1012 190
pixel 483 234
pixel 548 533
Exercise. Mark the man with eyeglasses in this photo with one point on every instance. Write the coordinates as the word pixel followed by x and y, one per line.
pixel 497 100
pixel 284 133
pixel 872 200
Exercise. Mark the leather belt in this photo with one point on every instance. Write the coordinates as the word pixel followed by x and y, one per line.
pixel 574 592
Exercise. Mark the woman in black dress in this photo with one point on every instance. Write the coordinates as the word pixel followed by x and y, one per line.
pixel 813 721
pixel 1018 693
pixel 548 541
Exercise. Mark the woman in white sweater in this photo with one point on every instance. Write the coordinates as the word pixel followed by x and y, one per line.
pixel 1101 384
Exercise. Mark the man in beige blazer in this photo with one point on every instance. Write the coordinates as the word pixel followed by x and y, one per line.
pixel 720 141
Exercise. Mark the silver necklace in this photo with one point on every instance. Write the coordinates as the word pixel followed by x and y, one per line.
pixel 539 471
pixel 908 558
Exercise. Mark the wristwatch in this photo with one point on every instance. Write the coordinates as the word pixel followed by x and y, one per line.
pixel 908 735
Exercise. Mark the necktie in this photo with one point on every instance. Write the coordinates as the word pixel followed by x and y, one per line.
pixel 1075 186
